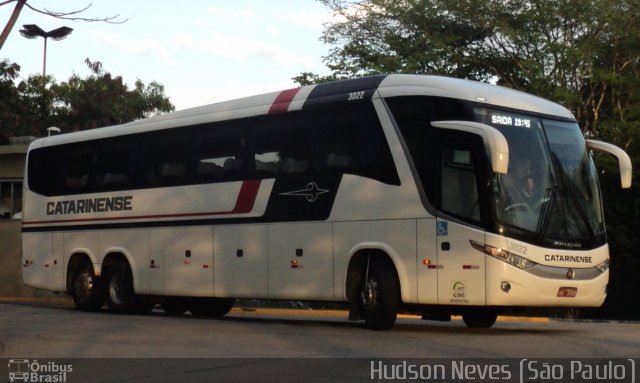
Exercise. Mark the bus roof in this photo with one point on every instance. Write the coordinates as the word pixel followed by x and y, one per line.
pixel 339 91
pixel 475 91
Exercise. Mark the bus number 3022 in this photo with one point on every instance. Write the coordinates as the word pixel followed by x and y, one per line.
pixel 353 96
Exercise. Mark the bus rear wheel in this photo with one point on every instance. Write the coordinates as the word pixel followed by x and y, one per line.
pixel 86 288
pixel 174 306
pixel 380 297
pixel 480 318
pixel 211 307
pixel 120 295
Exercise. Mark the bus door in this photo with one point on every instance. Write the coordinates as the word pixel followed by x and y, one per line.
pixel 461 268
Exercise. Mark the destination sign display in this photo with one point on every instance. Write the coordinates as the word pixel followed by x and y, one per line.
pixel 498 118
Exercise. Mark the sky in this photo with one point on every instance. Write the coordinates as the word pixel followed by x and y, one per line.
pixel 201 51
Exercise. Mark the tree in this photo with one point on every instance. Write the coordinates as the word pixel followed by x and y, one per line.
pixel 77 104
pixel 583 54
pixel 101 100
pixel 308 78
pixel 72 15
pixel 9 98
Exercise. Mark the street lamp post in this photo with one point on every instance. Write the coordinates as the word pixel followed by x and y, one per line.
pixel 32 31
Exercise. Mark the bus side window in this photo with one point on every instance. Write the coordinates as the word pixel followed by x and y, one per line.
pixel 164 158
pixel 112 168
pixel 221 152
pixel 53 171
pixel 77 169
pixel 282 145
pixel 351 140
pixel 458 186
pixel 411 115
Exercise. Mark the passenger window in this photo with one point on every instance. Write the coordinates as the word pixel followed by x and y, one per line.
pixel 412 115
pixel 221 154
pixel 458 186
pixel 282 146
pixel 46 171
pixel 113 168
pixel 165 158
pixel 77 170
pixel 351 140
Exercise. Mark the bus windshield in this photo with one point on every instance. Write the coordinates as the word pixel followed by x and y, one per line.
pixel 551 189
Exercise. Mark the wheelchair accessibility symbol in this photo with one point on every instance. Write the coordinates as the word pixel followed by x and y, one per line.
pixel 442 228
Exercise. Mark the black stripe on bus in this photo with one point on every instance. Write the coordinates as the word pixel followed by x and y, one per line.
pixel 344 91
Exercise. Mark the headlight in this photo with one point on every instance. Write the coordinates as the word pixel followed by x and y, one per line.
pixel 604 266
pixel 503 255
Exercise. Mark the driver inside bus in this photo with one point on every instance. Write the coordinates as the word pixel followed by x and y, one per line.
pixel 525 180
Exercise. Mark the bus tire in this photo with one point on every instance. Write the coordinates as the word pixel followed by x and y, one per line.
pixel 144 305
pixel 87 290
pixel 380 297
pixel 211 307
pixel 120 295
pixel 174 306
pixel 479 318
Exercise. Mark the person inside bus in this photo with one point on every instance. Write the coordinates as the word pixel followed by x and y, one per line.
pixel 524 179
pixel 521 185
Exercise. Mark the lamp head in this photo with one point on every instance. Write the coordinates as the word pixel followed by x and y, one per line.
pixel 59 33
pixel 31 31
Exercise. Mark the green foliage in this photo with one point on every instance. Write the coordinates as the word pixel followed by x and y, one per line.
pixel 9 98
pixel 77 104
pixel 581 53
pixel 308 78
pixel 102 100
pixel 622 215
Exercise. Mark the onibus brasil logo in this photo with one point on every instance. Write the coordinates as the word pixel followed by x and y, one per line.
pixel 25 370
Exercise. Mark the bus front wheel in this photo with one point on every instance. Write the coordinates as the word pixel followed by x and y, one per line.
pixel 211 307
pixel 380 297
pixel 174 306
pixel 480 318
pixel 86 288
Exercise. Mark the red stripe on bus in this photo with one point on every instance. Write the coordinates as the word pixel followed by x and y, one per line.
pixel 244 204
pixel 282 102
pixel 246 197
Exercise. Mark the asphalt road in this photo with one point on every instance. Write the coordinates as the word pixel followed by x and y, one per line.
pixel 39 331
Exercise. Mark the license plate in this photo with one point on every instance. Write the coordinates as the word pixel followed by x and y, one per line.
pixel 567 292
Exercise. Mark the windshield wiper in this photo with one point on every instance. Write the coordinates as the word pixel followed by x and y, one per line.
pixel 545 212
pixel 568 190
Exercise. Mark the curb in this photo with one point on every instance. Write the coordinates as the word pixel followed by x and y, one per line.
pixel 345 314
pixel 38 300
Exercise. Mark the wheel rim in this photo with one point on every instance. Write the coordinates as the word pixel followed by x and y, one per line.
pixel 368 295
pixel 117 288
pixel 83 285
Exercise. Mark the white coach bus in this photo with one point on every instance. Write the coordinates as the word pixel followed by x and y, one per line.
pixel 397 193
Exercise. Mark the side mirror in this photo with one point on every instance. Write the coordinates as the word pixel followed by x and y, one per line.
pixel 623 159
pixel 494 141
